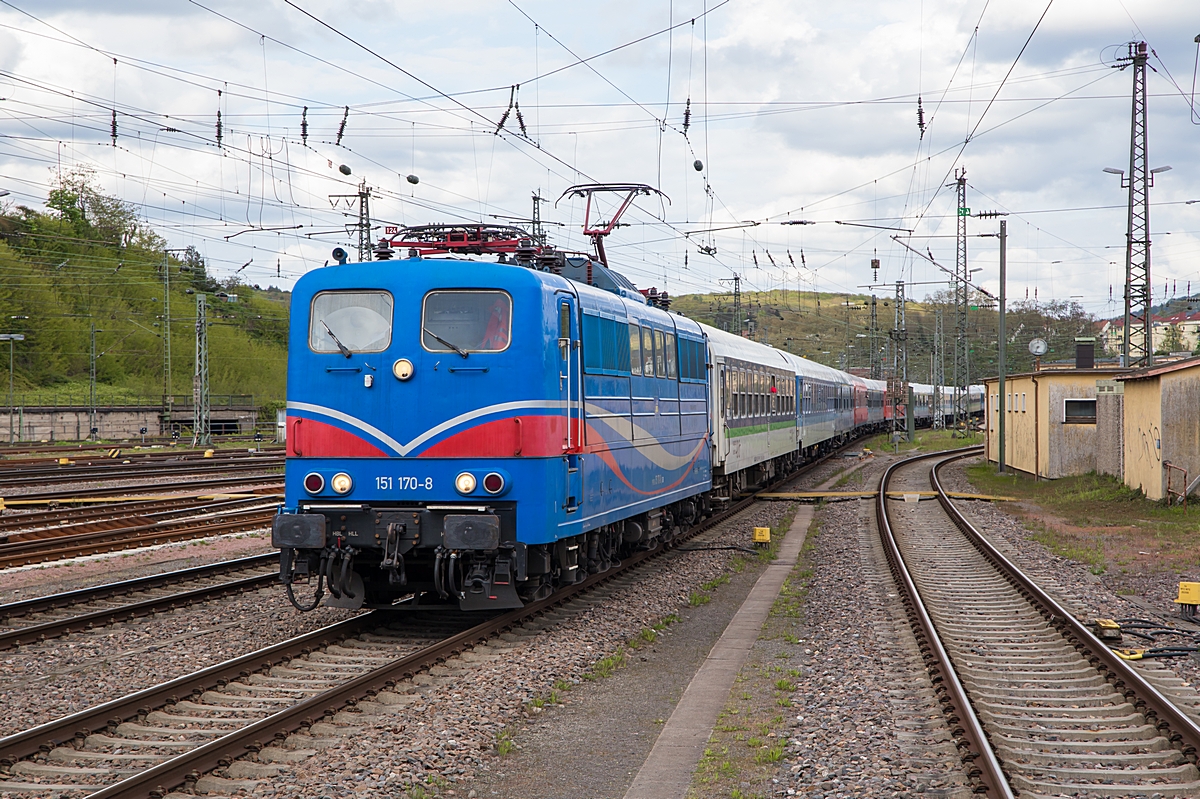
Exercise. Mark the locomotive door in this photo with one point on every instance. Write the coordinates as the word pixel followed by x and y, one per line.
pixel 570 380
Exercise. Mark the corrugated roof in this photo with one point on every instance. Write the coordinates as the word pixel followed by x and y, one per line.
pixel 1155 371
pixel 1057 373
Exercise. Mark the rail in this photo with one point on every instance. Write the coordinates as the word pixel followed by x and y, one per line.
pixel 158 780
pixel 1180 729
pixel 974 748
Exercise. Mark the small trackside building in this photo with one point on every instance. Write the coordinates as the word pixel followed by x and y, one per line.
pixel 1162 425
pixel 1050 421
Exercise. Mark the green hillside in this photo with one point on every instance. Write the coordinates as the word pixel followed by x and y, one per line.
pixel 91 261
pixel 828 328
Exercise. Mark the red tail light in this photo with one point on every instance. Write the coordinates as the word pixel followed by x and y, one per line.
pixel 493 483
pixel 313 483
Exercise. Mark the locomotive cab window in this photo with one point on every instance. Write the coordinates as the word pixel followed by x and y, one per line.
pixel 467 321
pixel 350 321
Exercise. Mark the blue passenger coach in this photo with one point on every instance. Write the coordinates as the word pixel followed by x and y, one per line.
pixel 482 431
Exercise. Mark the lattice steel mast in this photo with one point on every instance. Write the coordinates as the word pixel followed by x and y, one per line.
pixel 873 339
pixel 938 370
pixel 1137 348
pixel 898 384
pixel 962 350
pixel 201 418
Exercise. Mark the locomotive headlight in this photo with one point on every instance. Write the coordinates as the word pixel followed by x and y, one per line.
pixel 402 369
pixel 465 483
pixel 341 483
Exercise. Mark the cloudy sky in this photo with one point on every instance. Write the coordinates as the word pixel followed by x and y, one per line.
pixel 796 110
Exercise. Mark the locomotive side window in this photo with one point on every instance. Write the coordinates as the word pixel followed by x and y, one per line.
pixel 660 355
pixel 669 352
pixel 635 350
pixel 350 321
pixel 467 321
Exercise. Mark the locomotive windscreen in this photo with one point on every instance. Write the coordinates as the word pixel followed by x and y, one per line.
pixel 470 321
pixel 360 320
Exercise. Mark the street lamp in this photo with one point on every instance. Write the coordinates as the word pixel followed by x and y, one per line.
pixel 10 338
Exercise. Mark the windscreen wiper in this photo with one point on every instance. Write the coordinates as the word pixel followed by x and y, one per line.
pixel 441 340
pixel 342 348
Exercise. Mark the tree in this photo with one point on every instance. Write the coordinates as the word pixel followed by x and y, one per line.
pixel 1172 341
pixel 94 215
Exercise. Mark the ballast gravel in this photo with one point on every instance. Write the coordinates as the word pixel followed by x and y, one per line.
pixel 42 682
pixel 448 735
pixel 1142 595
pixel 863 722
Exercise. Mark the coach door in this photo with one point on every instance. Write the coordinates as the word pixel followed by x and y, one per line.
pixel 570 385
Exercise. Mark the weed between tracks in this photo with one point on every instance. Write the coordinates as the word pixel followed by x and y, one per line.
pixel 747 744
pixel 1096 520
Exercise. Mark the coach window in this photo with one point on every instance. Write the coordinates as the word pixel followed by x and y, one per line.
pixel 741 378
pixel 635 350
pixel 660 354
pixel 467 321
pixel 669 352
pixel 647 353
pixel 351 321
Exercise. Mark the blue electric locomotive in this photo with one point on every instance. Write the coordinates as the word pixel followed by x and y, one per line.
pixel 482 432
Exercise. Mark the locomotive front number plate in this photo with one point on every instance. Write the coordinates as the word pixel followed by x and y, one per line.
pixel 404 483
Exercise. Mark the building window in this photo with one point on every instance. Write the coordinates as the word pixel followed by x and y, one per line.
pixel 1022 402
pixel 1079 411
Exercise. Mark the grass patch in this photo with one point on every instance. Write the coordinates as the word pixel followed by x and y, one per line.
pixel 665 622
pixel 698 598
pixel 924 441
pixel 715 583
pixel 607 666
pixel 1097 520
pixel 504 743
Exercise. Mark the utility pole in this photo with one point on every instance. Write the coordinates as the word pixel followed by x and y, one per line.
pixel 201 417
pixel 962 352
pixel 10 338
pixel 1000 344
pixel 1002 336
pixel 1137 347
pixel 938 370
pixel 873 338
pixel 93 429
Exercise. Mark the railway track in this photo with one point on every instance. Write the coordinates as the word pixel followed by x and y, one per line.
pixel 255 483
pixel 36 620
pixel 151 742
pixel 1037 704
pixel 45 475
pixel 91 538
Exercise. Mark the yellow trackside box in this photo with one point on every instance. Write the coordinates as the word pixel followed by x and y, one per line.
pixel 762 535
pixel 1189 594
